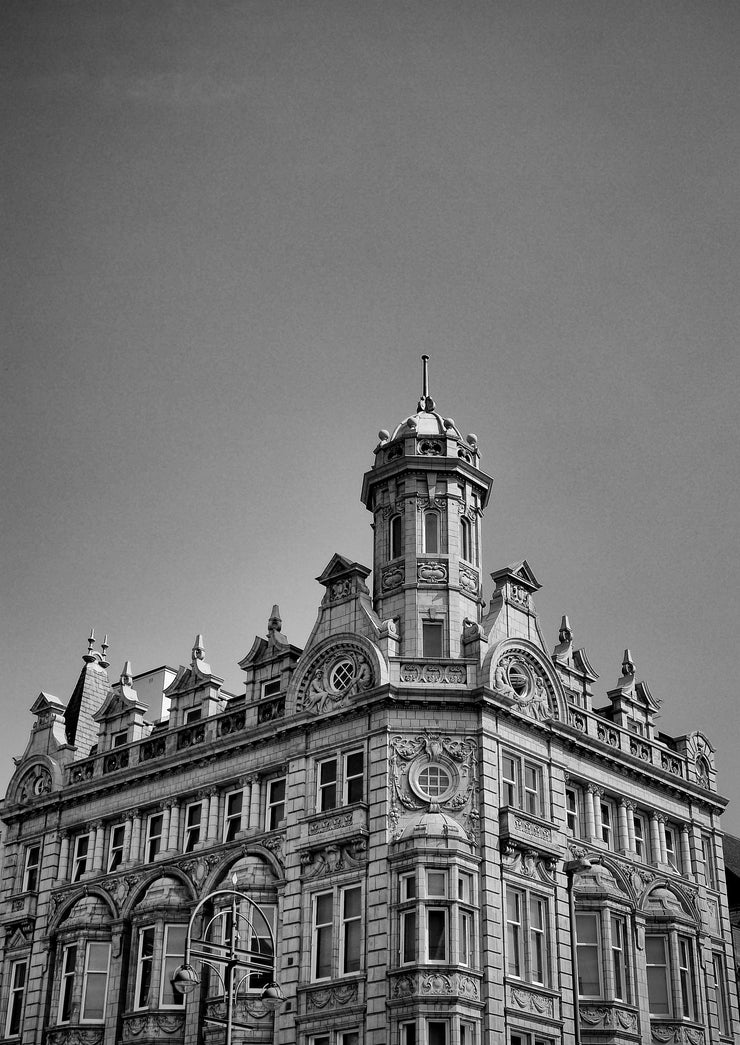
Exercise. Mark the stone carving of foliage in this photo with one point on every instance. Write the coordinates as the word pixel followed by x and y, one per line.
pixel 332 997
pixel 458 756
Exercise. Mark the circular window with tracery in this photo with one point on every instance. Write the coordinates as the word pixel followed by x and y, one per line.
pixel 432 781
pixel 342 676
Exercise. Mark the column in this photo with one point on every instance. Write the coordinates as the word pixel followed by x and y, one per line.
pixel 686 850
pixel 662 849
pixel 63 869
pixel 631 827
pixel 99 842
pixel 590 819
pixel 174 828
pixel 623 822
pixel 597 793
pixel 212 835
pixel 127 839
pixel 254 804
pixel 246 785
pixel 136 837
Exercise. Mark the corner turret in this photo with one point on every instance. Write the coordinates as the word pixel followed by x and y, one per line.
pixel 427 495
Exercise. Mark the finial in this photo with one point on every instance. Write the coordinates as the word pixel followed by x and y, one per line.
pixel 566 632
pixel 91 656
pixel 91 640
pixel 127 677
pixel 275 622
pixel 628 664
pixel 199 648
pixel 104 648
pixel 426 403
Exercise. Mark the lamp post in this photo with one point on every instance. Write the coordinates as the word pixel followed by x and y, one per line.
pixel 232 961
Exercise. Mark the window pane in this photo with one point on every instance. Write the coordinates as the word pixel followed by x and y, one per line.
pixel 589 965
pixel 436 935
pixel 437 1033
pixel 174 952
pixel 96 981
pixel 432 639
pixel 657 975
pixel 408 933
pixel 431 533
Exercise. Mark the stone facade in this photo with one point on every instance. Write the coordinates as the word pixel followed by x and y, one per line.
pixel 425 802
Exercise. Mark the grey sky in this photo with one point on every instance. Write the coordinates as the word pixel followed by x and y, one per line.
pixel 231 229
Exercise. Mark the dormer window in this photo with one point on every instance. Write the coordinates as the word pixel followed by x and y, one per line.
pixel 193 715
pixel 271 688
pixel 431 533
pixel 395 537
pixel 120 738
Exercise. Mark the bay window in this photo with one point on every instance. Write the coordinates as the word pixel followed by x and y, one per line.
pixel 67 983
pixel 656 960
pixel 95 982
pixel 173 953
pixel 588 938
pixel 160 950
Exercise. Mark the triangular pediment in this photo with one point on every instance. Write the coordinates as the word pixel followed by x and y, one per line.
pixel 46 702
pixel 339 566
pixel 18 939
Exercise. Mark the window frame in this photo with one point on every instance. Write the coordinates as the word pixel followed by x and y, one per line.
pixel 672 832
pixel 620 957
pixel 178 957
pixel 642 836
pixel 595 946
pixel 395 536
pixel 191 832
pixel 115 849
pixel 271 687
pixel 144 962
pixel 721 994
pixel 432 532
pixel 432 639
pixel 709 860
pixel 273 819
pixel 573 811
pixel 231 818
pixel 87 974
pixel 350 931
pixel 80 860
pixel 337 942
pixel 32 870
pixel 16 998
pixel 153 840
pixel 609 822
pixel 514 791
pixel 523 938
pixel 667 979
pixel 349 779
pixel 327 791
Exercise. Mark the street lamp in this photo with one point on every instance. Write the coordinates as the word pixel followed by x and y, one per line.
pixel 231 961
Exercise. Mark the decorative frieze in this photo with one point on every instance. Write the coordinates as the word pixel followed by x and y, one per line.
pixel 75 1036
pixel 609 1017
pixel 391 577
pixel 420 673
pixel 665 1031
pixel 332 859
pixel 331 997
pixel 435 984
pixel 157 1026
pixel 338 822
pixel 527 1000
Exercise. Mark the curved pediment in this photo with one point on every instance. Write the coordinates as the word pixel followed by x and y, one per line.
pixel 518 672
pixel 338 670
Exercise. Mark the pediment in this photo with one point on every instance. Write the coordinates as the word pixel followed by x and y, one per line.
pixel 521 572
pixel 18 939
pixel 46 702
pixel 115 704
pixel 340 566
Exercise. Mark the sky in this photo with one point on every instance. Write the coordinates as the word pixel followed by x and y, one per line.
pixel 230 230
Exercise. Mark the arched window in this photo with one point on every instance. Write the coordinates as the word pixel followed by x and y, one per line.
pixel 466 549
pixel 431 533
pixel 395 541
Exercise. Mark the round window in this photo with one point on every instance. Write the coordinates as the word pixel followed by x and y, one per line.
pixel 434 781
pixel 520 680
pixel 342 676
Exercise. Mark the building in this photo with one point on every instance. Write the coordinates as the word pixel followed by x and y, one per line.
pixel 455 840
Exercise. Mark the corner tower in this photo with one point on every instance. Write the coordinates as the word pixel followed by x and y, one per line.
pixel 427 495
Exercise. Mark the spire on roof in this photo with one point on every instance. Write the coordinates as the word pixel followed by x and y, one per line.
pixel 127 678
pixel 426 403
pixel 628 665
pixel 89 657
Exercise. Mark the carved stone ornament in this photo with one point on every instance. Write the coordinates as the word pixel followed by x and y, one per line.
pixel 431 572
pixel 469 581
pixel 664 1032
pixel 334 858
pixel 518 678
pixel 435 773
pixel 528 862
pixel 531 1001
pixel 36 782
pixel 153 1025
pixel 519 595
pixel 338 822
pixel 337 676
pixel 439 984
pixel 429 448
pixel 610 1017
pixel 332 997
pixel 340 589
pixel 453 674
pixel 199 868
pixel 391 577
pixel 75 1036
